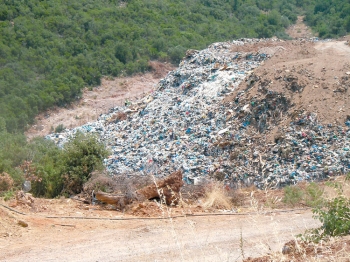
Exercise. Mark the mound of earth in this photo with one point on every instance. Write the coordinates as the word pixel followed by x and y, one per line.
pixel 313 76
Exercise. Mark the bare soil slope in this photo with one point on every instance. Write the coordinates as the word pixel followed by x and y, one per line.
pixel 315 77
pixel 111 93
pixel 299 29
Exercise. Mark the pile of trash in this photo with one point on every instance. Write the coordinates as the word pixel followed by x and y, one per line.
pixel 185 124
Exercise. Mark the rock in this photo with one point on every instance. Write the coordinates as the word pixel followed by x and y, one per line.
pixel 24 198
pixel 22 223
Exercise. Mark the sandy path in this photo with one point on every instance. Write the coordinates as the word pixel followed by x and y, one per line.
pixel 209 238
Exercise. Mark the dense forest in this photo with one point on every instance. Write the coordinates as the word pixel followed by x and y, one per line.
pixel 51 49
pixel 329 18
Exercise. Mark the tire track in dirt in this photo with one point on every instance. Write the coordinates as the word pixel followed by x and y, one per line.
pixel 212 238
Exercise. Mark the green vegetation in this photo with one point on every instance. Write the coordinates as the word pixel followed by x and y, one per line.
pixel 81 156
pixel 335 218
pixel 329 18
pixel 52 170
pixel 311 195
pixel 60 128
pixel 8 195
pixel 50 50
pixel 333 213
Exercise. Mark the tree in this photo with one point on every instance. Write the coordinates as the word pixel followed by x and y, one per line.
pixel 81 156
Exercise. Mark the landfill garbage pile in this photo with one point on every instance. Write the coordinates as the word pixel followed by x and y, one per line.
pixel 302 150
pixel 185 124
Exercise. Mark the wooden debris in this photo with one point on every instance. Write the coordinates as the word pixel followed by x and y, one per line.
pixel 167 189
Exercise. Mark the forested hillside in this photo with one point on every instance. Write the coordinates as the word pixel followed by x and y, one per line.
pixel 50 49
pixel 329 18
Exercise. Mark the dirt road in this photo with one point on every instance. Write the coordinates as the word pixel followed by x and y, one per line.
pixel 206 238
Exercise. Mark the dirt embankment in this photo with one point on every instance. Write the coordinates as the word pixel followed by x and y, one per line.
pixel 70 230
pixel 314 77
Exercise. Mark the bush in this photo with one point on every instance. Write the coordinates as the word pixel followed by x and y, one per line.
pixel 8 195
pixel 335 217
pixel 6 182
pixel 100 182
pixel 82 155
pixel 60 128
pixel 293 195
pixel 313 195
pixel 310 196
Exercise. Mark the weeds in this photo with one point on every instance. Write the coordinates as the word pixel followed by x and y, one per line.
pixel 292 195
pixel 335 217
pixel 8 195
pixel 60 128
pixel 334 213
pixel 311 195
pixel 241 244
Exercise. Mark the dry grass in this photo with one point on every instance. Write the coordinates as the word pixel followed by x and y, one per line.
pixel 331 192
pixel 216 196
pixel 336 249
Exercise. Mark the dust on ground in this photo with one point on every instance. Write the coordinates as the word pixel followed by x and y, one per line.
pixel 98 100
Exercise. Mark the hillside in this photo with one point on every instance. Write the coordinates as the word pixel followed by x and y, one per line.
pixel 50 50
pixel 262 112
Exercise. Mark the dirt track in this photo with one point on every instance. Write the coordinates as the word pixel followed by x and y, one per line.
pixel 207 238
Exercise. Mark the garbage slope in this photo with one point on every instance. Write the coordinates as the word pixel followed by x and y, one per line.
pixel 189 123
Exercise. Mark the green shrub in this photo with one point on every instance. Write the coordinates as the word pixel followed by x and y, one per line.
pixel 293 195
pixel 313 195
pixel 60 128
pixel 335 217
pixel 8 195
pixel 310 196
pixel 334 214
pixel 81 156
